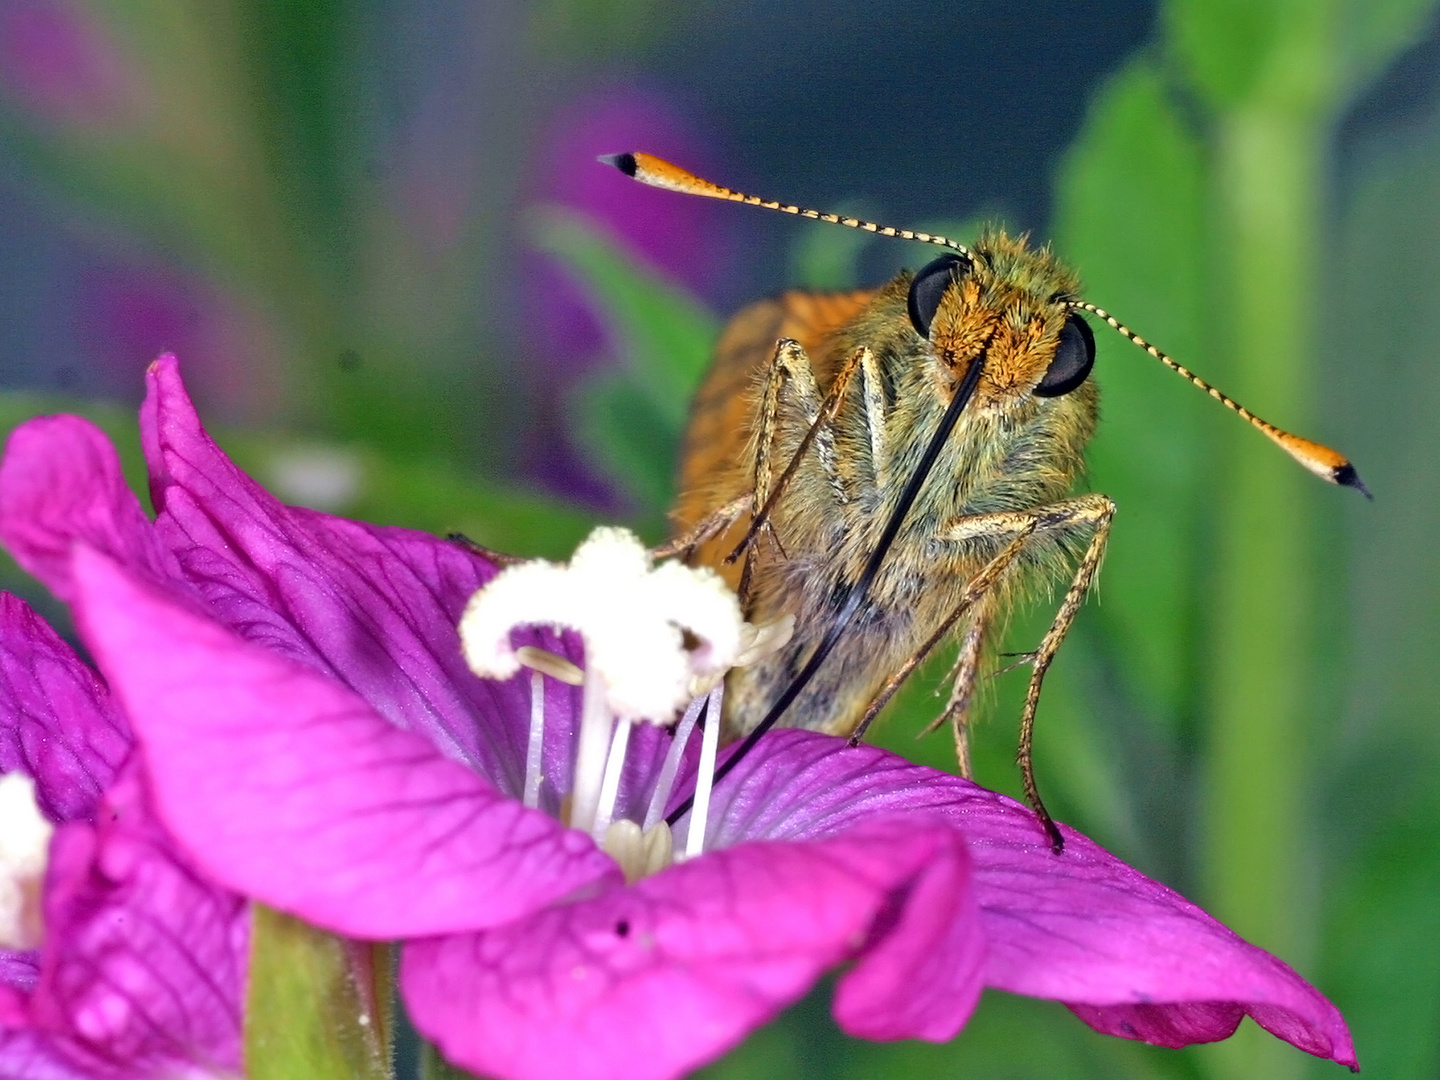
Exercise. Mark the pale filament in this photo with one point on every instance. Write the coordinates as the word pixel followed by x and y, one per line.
pixel 534 752
pixel 596 726
pixel 610 786
pixel 656 811
pixel 705 775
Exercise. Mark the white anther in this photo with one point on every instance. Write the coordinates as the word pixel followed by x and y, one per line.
pixel 634 618
pixel 640 853
pixel 24 852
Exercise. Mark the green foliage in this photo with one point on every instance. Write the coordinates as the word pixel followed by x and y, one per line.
pixel 631 419
pixel 1380 803
pixel 1130 212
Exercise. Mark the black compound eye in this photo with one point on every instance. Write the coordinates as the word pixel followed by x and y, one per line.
pixel 929 286
pixel 1073 359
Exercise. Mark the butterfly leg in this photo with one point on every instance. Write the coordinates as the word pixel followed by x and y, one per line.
pixel 791 369
pixel 964 674
pixel 706 529
pixel 1068 518
pixel 974 592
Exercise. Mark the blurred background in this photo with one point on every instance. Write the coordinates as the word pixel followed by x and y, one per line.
pixel 402 290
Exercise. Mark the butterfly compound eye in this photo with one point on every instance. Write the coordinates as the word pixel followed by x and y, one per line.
pixel 1074 358
pixel 929 286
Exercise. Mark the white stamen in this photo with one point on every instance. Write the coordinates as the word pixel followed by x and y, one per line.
pixel 557 667
pixel 24 851
pixel 610 786
pixel 596 723
pixel 656 810
pixel 535 751
pixel 633 616
pixel 705 775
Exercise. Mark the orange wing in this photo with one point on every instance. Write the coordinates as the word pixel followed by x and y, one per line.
pixel 722 416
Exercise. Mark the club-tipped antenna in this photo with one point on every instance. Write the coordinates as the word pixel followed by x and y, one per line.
pixel 649 169
pixel 1320 460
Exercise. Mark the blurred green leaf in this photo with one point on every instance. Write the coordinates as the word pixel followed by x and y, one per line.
pixel 829 258
pixel 631 418
pixel 297 53
pixel 1379 806
pixel 664 334
pixel 1130 213
pixel 600 29
pixel 1372 32
pixel 1227 44
pixel 628 440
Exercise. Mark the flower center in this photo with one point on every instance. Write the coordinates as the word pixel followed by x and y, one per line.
pixel 641 848
pixel 656 638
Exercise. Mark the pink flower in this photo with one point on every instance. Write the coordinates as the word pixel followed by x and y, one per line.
pixel 141 969
pixel 316 741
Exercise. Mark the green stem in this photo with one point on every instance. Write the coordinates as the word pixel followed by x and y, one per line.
pixel 317 1007
pixel 1268 170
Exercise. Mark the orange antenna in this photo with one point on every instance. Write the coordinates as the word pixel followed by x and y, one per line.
pixel 1320 460
pixel 649 169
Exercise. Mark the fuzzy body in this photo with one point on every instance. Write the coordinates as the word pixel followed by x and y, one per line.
pixel 1011 451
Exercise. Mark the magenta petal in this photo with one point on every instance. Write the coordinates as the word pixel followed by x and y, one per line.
pixel 288 787
pixel 922 972
pixel 57 724
pixel 19 970
pixel 60 482
pixel 1129 955
pixel 375 607
pixel 143 966
pixel 646 982
pixel 26 1054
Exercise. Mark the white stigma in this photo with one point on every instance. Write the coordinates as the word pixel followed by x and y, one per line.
pixel 24 851
pixel 634 617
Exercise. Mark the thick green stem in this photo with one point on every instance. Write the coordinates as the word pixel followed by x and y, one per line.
pixel 1268 170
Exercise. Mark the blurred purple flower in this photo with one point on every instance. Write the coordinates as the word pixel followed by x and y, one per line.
pixel 130 309
pixel 60 62
pixel 684 239
pixel 315 739
pixel 141 969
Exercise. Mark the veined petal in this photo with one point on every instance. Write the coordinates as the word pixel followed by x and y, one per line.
pixel 19 971
pixel 375 607
pixel 646 982
pixel 1131 956
pixel 143 968
pixel 60 481
pixel 57 724
pixel 26 1054
pixel 288 787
